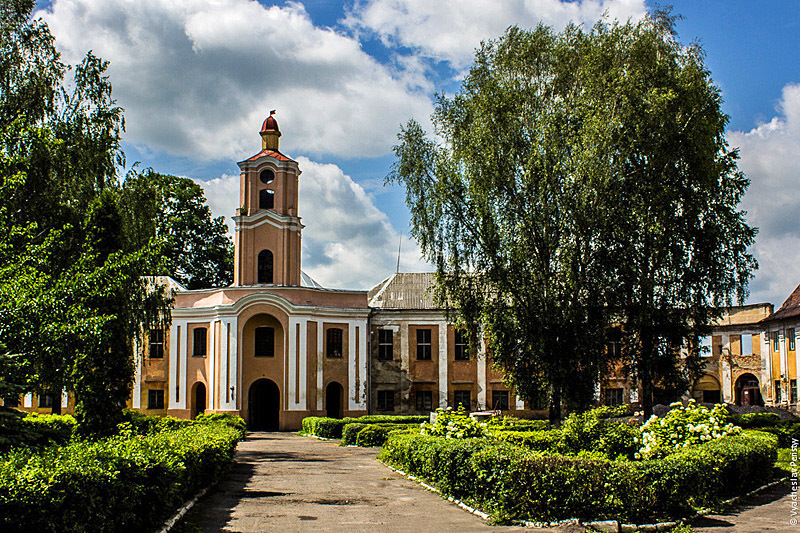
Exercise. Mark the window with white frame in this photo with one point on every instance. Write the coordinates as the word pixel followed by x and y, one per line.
pixel 747 344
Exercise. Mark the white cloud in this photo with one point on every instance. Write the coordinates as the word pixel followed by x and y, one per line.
pixel 197 78
pixel 450 30
pixel 769 154
pixel 348 242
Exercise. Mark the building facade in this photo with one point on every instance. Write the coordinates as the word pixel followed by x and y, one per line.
pixel 779 349
pixel 275 346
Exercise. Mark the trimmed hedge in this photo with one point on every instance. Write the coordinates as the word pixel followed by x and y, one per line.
pixel 18 428
pixel 350 433
pixel 513 482
pixel 755 420
pixel 785 431
pixel 507 423
pixel 331 428
pixel 376 434
pixel 124 483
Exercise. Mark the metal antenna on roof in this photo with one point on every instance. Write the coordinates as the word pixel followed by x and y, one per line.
pixel 398 255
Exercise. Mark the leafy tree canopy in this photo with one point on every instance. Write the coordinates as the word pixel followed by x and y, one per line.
pixel 577 180
pixel 195 248
pixel 72 295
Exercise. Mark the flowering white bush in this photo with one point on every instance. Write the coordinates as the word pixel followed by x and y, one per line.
pixel 452 424
pixel 681 427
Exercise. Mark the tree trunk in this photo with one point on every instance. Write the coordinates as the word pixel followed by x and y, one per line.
pixel 555 406
pixel 56 407
pixel 647 391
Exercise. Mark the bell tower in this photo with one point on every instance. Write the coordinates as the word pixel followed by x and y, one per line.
pixel 267 240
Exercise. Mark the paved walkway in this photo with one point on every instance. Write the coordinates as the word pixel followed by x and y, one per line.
pixel 284 482
pixel 770 510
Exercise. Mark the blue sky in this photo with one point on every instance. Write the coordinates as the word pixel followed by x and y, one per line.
pixel 197 78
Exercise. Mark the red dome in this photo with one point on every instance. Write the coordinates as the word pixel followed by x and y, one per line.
pixel 270 124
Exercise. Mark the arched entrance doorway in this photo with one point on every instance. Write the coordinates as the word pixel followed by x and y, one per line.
pixel 748 391
pixel 198 399
pixel 707 390
pixel 264 405
pixel 333 400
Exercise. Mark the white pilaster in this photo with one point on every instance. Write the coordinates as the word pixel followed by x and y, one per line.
pixel 301 362
pixel 405 359
pixel 783 353
pixel 766 356
pixel 352 366
pixel 27 400
pixel 177 364
pixel 442 364
pixel 233 350
pixel 725 368
pixel 224 376
pixel 291 360
pixel 481 374
pixel 363 362
pixel 320 365
pixel 64 398
pixel 212 367
pixel 181 356
pixel 138 360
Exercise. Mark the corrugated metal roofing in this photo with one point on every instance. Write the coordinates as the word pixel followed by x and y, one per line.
pixel 404 291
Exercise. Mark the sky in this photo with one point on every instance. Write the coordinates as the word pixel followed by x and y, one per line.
pixel 197 78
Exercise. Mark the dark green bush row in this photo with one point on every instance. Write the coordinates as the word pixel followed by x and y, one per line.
pixel 785 432
pixel 518 483
pixel 20 429
pixel 129 482
pixel 331 428
pixel 613 440
pixel 149 424
pixel 368 435
pixel 350 433
pixel 754 420
pixel 508 423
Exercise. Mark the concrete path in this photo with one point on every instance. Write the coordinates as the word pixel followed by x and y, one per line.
pixel 283 482
pixel 770 510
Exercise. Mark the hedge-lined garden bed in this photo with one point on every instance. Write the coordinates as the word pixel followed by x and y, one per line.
pixel 514 482
pixel 331 428
pixel 128 482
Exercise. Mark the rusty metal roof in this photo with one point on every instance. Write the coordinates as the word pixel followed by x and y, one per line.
pixel 404 291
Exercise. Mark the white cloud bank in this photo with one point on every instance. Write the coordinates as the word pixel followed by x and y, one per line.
pixel 196 79
pixel 450 30
pixel 769 157
pixel 348 242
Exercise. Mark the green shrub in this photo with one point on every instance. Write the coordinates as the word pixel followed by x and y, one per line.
pixel 331 428
pixel 616 411
pixel 785 430
pixel 123 483
pixel 349 433
pixel 549 440
pixel 455 424
pixel 21 429
pixel 754 420
pixel 514 482
pixel 233 421
pixel 392 419
pixel 376 434
pixel 684 426
pixel 509 423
